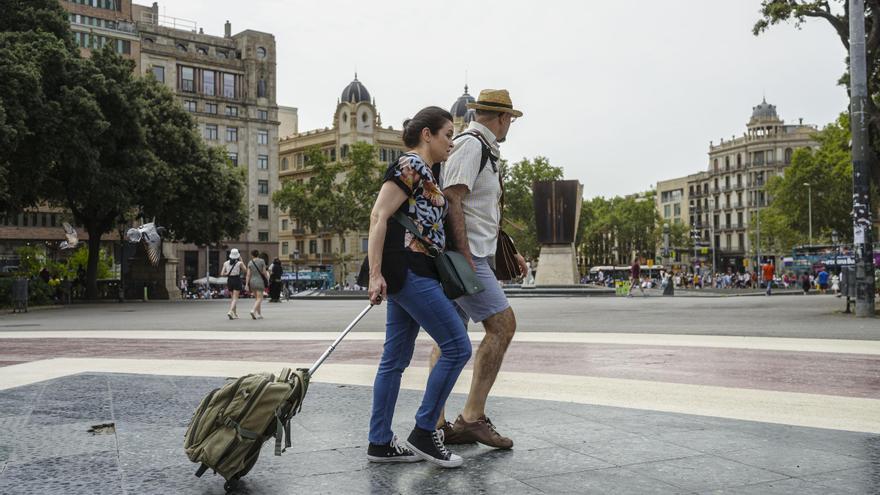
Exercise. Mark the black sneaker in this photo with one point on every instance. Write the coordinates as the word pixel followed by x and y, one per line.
pixel 393 452
pixel 429 446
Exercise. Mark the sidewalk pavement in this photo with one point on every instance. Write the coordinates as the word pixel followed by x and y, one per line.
pixel 46 447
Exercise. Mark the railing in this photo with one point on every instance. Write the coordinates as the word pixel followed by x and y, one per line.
pixel 169 22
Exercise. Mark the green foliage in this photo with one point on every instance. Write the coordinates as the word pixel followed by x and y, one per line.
pixel 828 169
pixel 616 229
pixel 835 13
pixel 519 210
pixel 312 202
pixel 363 180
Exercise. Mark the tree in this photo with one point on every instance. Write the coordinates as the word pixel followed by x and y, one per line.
pixel 519 209
pixel 38 61
pixel 836 13
pixel 311 202
pixel 828 170
pixel 618 228
pixel 363 179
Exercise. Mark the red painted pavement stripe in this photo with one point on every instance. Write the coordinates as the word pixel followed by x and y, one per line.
pixel 849 375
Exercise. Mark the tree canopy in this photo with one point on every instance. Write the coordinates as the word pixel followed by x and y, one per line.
pixel 836 14
pixel 828 170
pixel 617 228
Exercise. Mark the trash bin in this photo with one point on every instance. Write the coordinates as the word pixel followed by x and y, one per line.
pixel 19 295
pixel 848 281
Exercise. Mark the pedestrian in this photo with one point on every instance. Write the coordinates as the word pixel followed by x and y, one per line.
pixel 768 270
pixel 402 271
pixel 806 283
pixel 256 280
pixel 635 276
pixel 472 181
pixel 275 272
pixel 232 271
pixel 183 286
pixel 835 284
pixel 822 280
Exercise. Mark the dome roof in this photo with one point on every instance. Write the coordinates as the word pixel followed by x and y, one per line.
pixel 459 108
pixel 764 111
pixel 355 92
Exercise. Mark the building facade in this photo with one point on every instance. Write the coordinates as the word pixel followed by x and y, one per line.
pixel 356 119
pixel 228 83
pixel 726 198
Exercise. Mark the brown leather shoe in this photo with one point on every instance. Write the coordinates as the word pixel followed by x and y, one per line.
pixel 453 437
pixel 481 430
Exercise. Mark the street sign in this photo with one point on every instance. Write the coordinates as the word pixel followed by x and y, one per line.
pixel 704 250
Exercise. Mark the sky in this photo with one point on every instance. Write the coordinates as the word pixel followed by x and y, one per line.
pixel 620 94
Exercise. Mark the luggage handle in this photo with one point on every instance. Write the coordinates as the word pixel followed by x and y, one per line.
pixel 320 361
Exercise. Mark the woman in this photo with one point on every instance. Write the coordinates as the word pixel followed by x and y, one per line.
pixel 232 271
pixel 806 283
pixel 256 280
pixel 402 271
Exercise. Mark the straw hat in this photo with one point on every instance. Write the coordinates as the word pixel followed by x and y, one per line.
pixel 494 100
pixel 234 254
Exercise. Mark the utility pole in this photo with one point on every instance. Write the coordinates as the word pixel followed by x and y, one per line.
pixel 810 209
pixel 861 156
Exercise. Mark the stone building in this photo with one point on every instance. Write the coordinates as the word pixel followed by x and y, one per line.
pixel 355 119
pixel 228 83
pixel 724 199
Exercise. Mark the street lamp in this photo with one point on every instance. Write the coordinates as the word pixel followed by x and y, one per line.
pixel 810 209
pixel 835 240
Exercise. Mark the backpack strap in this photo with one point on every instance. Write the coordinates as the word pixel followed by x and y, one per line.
pixel 486 155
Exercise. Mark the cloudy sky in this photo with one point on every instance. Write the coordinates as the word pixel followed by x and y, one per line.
pixel 618 93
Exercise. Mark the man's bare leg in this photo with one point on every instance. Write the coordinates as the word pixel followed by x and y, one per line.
pixel 499 328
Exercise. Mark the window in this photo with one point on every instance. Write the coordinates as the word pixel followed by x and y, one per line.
pixel 189 105
pixel 231 134
pixel 383 155
pixel 211 132
pixel 788 153
pixel 364 243
pixel 666 211
pixel 332 154
pixel 187 79
pixel 123 47
pixel 229 85
pixel 263 236
pixel 676 209
pixel 208 82
pixel 343 246
pixel 261 52
pixel 715 165
pixel 262 136
pixel 741 241
pixel 343 152
pixel 263 114
pixel 759 158
pixel 211 108
pixel 233 157
pixel 201 50
pixel 300 248
pixel 284 164
pixel 726 163
pixel 739 160
pixel 313 246
pixel 728 238
pixel 263 212
pixel 727 219
pixel 263 162
pixel 284 224
pixel 222 54
pixel 771 156
pixel 327 246
pixel 285 249
pixel 232 111
pixel 181 47
pixel 739 219
pixel 263 187
pixel 158 72
pixel 261 88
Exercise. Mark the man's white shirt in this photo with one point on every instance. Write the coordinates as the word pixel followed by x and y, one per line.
pixel 482 204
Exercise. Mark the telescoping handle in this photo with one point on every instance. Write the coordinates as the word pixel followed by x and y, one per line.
pixel 341 336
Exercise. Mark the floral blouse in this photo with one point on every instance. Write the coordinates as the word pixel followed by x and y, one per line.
pixel 426 205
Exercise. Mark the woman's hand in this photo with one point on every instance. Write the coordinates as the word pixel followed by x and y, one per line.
pixel 378 289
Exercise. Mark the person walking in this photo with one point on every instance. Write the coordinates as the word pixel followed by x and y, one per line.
pixel 806 283
pixel 835 284
pixel 183 286
pixel 275 272
pixel 635 278
pixel 822 281
pixel 402 271
pixel 256 280
pixel 768 271
pixel 232 271
pixel 472 183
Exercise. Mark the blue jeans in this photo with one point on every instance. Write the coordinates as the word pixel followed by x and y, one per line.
pixel 420 303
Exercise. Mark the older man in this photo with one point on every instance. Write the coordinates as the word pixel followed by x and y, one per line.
pixel 472 183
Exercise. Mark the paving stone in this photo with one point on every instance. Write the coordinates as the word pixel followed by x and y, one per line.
pixel 34 442
pixel 780 487
pixel 530 463
pixel 715 440
pixel 612 481
pixel 793 461
pixel 86 474
pixel 632 449
pixel 704 473
pixel 865 479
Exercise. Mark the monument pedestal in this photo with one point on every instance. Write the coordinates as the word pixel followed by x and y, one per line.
pixel 160 281
pixel 557 265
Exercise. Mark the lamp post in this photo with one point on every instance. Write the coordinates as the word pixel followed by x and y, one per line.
pixel 810 209
pixel 835 240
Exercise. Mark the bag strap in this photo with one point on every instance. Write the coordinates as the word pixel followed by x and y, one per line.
pixel 486 157
pixel 408 224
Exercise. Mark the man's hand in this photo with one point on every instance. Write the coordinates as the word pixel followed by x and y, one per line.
pixel 523 268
